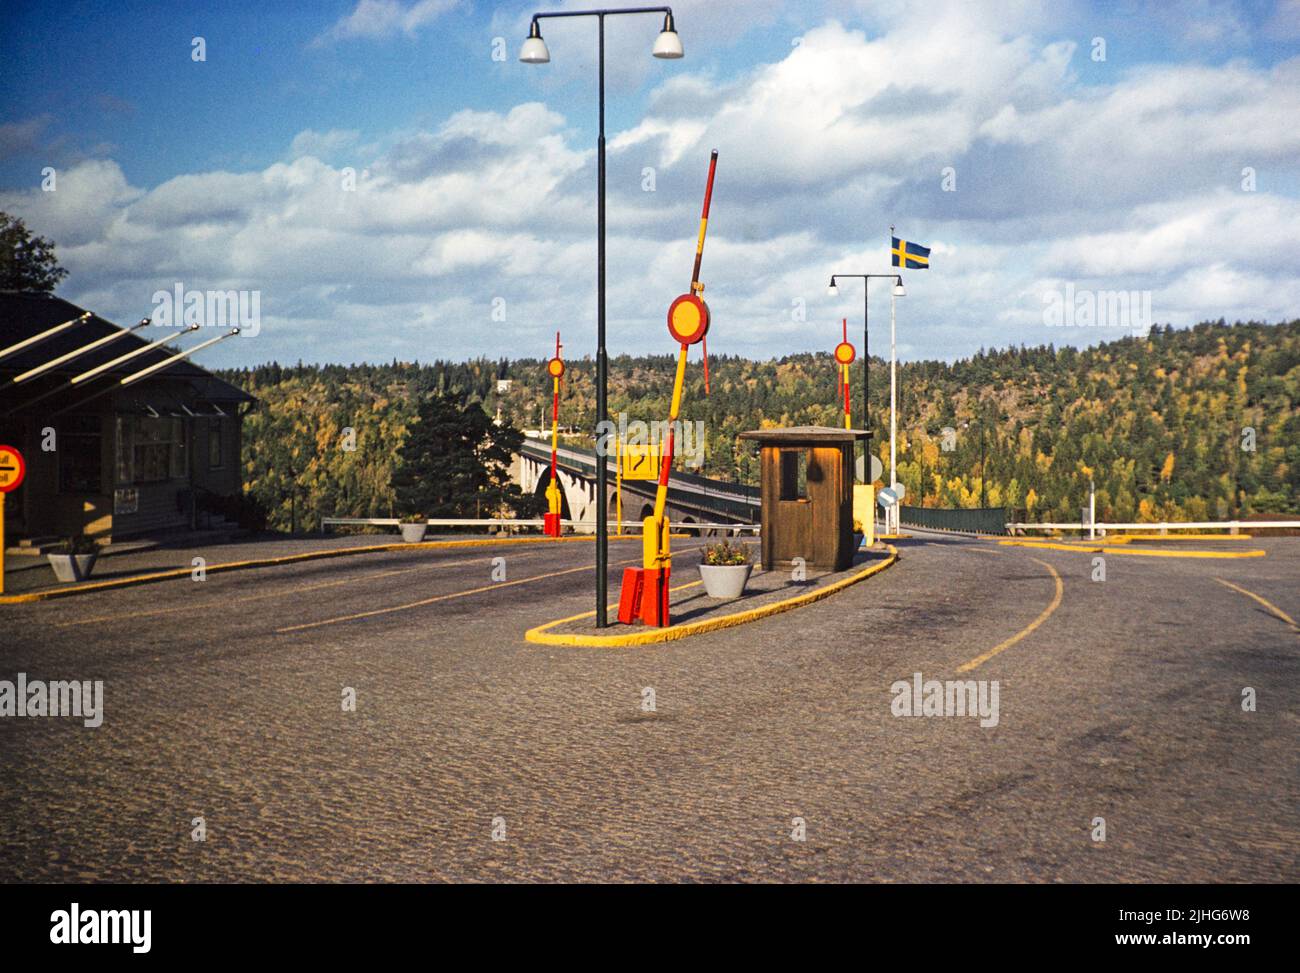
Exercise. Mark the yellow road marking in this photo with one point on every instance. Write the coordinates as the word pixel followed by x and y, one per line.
pixel 1130 552
pixel 543 636
pixel 274 594
pixel 436 598
pixel 979 660
pixel 1263 601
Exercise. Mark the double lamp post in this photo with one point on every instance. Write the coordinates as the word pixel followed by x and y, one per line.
pixel 896 292
pixel 534 51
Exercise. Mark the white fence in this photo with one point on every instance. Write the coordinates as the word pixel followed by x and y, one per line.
pixel 1163 527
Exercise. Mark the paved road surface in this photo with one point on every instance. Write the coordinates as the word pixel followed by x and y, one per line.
pixel 223 699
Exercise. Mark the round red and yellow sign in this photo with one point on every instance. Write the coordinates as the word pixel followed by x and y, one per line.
pixel 688 319
pixel 845 353
pixel 12 469
pixel 555 367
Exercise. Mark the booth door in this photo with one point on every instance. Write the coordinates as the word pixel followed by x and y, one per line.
pixel 793 528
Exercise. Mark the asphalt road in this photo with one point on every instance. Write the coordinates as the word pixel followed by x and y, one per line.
pixel 223 700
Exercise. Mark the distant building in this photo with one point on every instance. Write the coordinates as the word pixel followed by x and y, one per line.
pixel 107 459
pixel 503 385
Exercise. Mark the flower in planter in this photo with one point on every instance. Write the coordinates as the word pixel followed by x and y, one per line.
pixel 725 554
pixel 414 519
pixel 78 544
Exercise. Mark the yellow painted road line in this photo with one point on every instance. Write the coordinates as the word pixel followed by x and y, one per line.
pixel 225 603
pixel 1130 551
pixel 436 598
pixel 1263 601
pixel 270 562
pixel 979 660
pixel 543 636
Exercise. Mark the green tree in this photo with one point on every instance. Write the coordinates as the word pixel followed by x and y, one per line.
pixel 456 462
pixel 27 263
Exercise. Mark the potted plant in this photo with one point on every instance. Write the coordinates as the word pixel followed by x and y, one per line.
pixel 413 528
pixel 725 568
pixel 858 534
pixel 74 559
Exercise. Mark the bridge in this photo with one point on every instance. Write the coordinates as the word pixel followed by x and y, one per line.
pixel 692 498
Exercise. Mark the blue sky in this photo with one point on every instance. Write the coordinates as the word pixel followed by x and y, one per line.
pixel 469 227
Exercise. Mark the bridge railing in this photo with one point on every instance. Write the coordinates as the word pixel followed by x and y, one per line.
pixel 978 520
pixel 511 522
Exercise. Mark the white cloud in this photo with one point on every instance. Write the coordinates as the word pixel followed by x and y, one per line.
pixel 1134 184
pixel 377 19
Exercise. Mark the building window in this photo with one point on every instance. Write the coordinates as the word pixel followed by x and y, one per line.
pixel 150 450
pixel 215 459
pixel 81 455
pixel 794 474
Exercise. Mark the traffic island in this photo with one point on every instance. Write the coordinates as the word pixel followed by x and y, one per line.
pixel 694 613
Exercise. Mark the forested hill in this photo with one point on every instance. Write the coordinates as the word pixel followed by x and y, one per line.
pixel 1188 424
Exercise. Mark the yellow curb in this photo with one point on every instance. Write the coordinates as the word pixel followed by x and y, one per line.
pixel 542 636
pixel 1188 537
pixel 268 562
pixel 1140 552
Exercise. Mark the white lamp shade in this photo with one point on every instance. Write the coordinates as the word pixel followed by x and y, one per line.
pixel 833 291
pixel 668 45
pixel 899 291
pixel 534 51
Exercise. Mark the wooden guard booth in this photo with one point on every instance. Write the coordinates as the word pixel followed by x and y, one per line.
pixel 807 495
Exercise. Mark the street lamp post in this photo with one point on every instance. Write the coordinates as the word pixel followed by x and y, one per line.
pixel 534 51
pixel 832 290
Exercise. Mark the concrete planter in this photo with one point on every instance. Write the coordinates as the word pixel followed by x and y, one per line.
pixel 725 580
pixel 72 567
pixel 413 533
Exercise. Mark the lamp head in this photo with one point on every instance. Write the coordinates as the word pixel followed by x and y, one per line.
pixel 534 50
pixel 832 290
pixel 668 45
pixel 899 290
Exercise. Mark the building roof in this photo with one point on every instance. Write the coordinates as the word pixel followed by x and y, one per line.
pixel 24 314
pixel 803 435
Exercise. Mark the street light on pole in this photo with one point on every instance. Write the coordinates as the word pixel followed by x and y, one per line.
pixel 834 291
pixel 534 51
pixel 894 294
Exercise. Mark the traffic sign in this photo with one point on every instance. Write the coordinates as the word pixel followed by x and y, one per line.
pixel 12 469
pixel 887 497
pixel 688 319
pixel 845 353
pixel 641 461
pixel 555 367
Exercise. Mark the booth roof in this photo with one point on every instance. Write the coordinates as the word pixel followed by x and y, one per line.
pixel 805 434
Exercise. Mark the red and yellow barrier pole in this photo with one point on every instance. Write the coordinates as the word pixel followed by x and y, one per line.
pixel 551 519
pixel 845 353
pixel 645 590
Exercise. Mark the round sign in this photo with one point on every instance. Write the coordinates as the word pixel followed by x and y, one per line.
pixel 12 469
pixel 688 319
pixel 556 367
pixel 845 353
pixel 886 497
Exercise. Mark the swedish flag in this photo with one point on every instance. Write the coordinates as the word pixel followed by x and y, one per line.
pixel 910 256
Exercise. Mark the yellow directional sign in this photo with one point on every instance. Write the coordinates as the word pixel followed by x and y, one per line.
pixel 641 461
